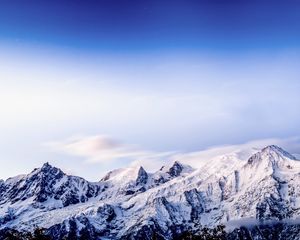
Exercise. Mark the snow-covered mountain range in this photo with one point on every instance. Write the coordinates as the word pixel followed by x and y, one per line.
pixel 131 203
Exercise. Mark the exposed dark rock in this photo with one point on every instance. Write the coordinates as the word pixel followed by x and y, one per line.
pixel 176 169
pixel 196 202
pixel 142 177
pixel 107 212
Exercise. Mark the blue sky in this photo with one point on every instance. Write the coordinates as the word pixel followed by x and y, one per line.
pixel 146 25
pixel 143 78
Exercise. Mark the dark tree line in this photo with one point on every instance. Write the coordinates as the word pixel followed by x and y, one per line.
pixel 217 233
pixel 38 234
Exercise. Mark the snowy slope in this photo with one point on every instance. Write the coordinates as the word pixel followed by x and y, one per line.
pixel 132 203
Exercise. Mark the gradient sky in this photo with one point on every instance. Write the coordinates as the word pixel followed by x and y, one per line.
pixel 143 78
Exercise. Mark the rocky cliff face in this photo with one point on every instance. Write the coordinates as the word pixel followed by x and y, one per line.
pixel 133 204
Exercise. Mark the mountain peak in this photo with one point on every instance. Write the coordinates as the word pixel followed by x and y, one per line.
pixel 277 150
pixel 178 169
pixel 271 153
pixel 46 166
pixel 142 176
pixel 177 163
pixel 125 175
pixel 48 169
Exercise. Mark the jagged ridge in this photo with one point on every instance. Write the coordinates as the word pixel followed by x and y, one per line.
pixel 132 203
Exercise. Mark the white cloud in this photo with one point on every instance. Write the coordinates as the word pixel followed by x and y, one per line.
pixel 159 100
pixel 100 148
pixel 242 151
